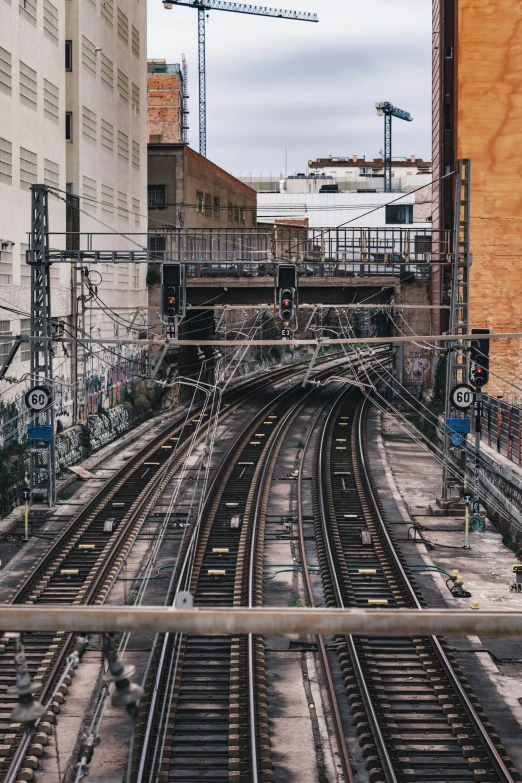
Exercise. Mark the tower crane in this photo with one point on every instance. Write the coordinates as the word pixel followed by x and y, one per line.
pixel 238 8
pixel 389 111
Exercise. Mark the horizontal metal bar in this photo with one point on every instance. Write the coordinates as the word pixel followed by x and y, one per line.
pixel 359 622
pixel 444 338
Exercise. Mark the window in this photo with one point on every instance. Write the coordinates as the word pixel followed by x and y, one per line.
pixel 157 245
pixel 157 195
pixel 6 161
pixel 25 348
pixel 50 22
pixel 90 194
pixel 135 155
pixel 107 136
pixel 27 9
pixel 51 173
pixel 51 102
pixel 242 213
pixel 236 213
pixel 107 71
pixel 107 11
pixel 123 212
pixel 122 25
pixel 68 126
pixel 68 56
pixel 88 124
pixel 88 55
pixel 6 266
pixel 107 198
pixel 28 86
pixel 6 81
pixel 136 211
pixel 123 146
pixel 199 201
pixel 135 41
pixel 135 98
pixel 423 243
pixel 230 211
pixel 217 207
pixel 5 345
pixel 399 213
pixel 24 266
pixel 123 86
pixel 28 168
pixel 208 204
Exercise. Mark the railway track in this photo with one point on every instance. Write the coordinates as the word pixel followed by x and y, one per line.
pixel 80 567
pixel 204 715
pixel 416 716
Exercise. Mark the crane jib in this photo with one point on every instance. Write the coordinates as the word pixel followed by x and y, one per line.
pixel 256 10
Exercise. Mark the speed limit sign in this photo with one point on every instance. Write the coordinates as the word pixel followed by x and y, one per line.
pixel 462 396
pixel 38 398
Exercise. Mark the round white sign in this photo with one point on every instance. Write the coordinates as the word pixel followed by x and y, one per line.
pixel 38 398
pixel 462 396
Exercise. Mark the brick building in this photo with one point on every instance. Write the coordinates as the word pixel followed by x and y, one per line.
pixel 478 114
pixel 187 190
pixel 167 102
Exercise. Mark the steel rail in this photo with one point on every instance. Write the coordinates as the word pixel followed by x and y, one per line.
pixel 325 665
pixel 359 673
pixel 126 531
pixel 183 574
pixel 487 742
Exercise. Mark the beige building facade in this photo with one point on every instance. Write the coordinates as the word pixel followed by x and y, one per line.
pixel 73 115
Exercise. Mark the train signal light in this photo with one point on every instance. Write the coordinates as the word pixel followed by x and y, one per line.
pixel 287 291
pixel 479 359
pixel 286 304
pixel 172 292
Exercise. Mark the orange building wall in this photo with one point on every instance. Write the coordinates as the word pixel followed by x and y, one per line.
pixel 489 132
pixel 164 107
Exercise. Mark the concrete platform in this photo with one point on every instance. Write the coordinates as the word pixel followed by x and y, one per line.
pixel 409 478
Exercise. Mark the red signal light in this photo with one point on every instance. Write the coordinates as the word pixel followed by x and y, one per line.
pixel 286 303
pixel 171 300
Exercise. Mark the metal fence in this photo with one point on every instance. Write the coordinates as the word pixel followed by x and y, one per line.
pixel 502 428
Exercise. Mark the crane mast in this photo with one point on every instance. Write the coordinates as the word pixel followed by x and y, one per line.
pixel 237 8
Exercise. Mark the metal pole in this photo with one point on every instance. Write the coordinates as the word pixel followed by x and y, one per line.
pixel 42 480
pixel 387 153
pixel 260 620
pixel 202 83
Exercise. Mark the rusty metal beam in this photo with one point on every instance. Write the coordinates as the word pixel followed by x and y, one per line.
pixel 358 622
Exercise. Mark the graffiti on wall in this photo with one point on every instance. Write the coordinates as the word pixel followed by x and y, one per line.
pixel 416 367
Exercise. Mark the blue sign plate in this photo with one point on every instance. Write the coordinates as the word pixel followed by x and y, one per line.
pixel 36 433
pixel 463 426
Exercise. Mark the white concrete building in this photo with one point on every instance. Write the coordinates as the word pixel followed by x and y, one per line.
pixel 32 150
pixel 73 114
pixel 329 210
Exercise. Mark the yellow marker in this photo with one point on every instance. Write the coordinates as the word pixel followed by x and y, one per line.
pixel 272 416
pixel 367 571
pixel 340 448
pixel 220 551
pixel 69 572
pixel 216 572
pixel 166 447
pixel 86 546
pixel 517 569
pixel 260 434
pixel 474 605
pixel 255 442
pixel 344 417
pixel 340 440
pixel 455 572
pixel 173 438
pixel 268 422
pixel 343 424
pixel 378 601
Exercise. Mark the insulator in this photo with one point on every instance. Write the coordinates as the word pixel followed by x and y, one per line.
pixel 125 693
pixel 28 710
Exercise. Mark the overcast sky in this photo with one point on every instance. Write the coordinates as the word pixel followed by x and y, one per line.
pixel 312 88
